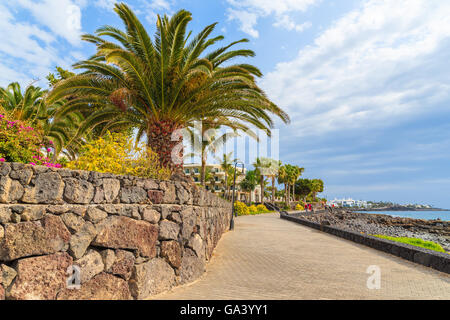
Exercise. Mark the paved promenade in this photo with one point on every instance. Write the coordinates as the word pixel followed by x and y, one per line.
pixel 269 258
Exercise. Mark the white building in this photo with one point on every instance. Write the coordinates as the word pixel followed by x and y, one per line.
pixel 216 183
pixel 348 203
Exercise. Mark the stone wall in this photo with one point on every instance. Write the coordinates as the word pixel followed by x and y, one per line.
pixel 128 237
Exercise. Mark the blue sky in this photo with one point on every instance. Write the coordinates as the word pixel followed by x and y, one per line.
pixel 366 82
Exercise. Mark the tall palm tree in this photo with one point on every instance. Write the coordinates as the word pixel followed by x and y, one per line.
pixel 282 178
pixel 286 176
pixel 272 167
pixel 296 173
pixel 262 168
pixel 161 85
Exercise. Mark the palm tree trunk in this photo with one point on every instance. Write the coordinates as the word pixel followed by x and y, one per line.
pixel 262 189
pixel 288 194
pixel 226 185
pixel 203 171
pixel 293 191
pixel 159 139
pixel 285 194
pixel 273 189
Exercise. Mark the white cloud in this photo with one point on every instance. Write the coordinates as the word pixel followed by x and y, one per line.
pixel 247 19
pixel 105 4
pixel 247 12
pixel 370 171
pixel 379 64
pixel 27 52
pixel 287 23
pixel 370 188
pixel 62 17
pixel 151 8
pixel 146 8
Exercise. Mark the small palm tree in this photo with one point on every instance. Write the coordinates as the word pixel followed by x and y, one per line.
pixel 227 167
pixel 266 167
pixel 26 106
pixel 31 106
pixel 270 169
pixel 282 178
pixel 208 141
pixel 296 173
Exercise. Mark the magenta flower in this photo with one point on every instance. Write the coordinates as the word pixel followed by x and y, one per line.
pixel 2 160
pixel 32 163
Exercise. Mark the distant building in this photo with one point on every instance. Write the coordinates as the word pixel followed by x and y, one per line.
pixel 349 203
pixel 216 183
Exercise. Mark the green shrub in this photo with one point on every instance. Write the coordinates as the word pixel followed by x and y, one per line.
pixel 241 209
pixel 415 242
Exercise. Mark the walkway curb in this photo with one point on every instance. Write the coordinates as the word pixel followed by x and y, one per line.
pixel 425 257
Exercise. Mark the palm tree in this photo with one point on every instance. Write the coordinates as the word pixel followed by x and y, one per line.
pixel 31 106
pixel 26 106
pixel 208 140
pixel 159 86
pixel 271 167
pixel 296 173
pixel 288 175
pixel 266 167
pixel 230 180
pixel 282 178
pixel 227 166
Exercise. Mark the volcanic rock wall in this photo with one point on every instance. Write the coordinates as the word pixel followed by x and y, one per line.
pixel 68 234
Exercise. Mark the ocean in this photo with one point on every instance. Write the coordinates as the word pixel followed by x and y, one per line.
pixel 426 215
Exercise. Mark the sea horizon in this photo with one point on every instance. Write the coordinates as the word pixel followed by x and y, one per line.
pixel 425 215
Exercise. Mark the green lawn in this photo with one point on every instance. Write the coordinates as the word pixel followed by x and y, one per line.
pixel 415 242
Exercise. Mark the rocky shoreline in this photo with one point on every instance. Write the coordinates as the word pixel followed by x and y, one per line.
pixel 401 209
pixel 430 230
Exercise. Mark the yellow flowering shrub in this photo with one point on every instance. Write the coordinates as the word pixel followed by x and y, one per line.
pixel 252 209
pixel 115 153
pixel 262 208
pixel 241 209
pixel 299 207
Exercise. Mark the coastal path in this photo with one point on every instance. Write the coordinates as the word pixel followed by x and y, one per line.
pixel 269 258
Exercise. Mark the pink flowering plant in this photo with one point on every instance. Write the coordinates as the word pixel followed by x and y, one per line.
pixel 19 142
